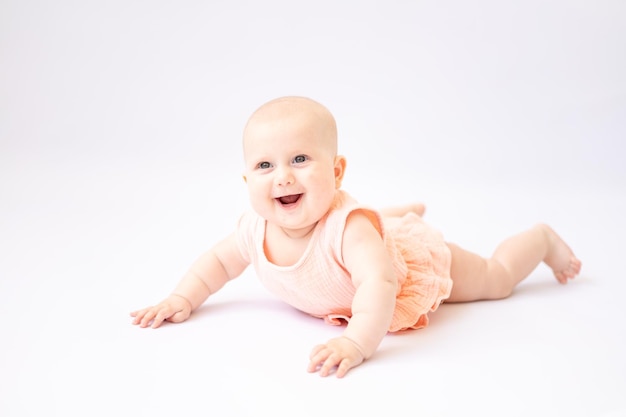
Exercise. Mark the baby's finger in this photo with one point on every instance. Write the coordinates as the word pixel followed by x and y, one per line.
pixel 318 356
pixel 333 360
pixel 177 317
pixel 147 318
pixel 316 350
pixel 138 315
pixel 135 316
pixel 161 315
pixel 344 367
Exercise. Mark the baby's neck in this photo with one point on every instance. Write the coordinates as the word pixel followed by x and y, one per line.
pixel 285 247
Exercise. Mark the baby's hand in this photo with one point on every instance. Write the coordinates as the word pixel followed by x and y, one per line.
pixel 174 308
pixel 340 352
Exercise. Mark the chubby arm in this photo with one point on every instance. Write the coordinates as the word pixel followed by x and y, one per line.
pixel 206 276
pixel 367 260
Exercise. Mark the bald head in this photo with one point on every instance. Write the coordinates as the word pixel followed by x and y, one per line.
pixel 280 112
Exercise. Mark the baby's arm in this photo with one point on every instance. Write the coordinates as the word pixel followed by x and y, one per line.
pixel 205 277
pixel 367 259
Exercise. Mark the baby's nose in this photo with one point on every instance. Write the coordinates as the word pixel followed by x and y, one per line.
pixel 284 176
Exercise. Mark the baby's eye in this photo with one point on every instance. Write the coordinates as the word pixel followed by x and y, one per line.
pixel 264 165
pixel 300 159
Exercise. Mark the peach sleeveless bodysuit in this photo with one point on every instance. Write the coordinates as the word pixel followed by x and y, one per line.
pixel 319 284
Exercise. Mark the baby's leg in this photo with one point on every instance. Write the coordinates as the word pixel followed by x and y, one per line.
pixel 477 278
pixel 399 211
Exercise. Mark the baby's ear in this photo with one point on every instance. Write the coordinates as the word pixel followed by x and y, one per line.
pixel 340 170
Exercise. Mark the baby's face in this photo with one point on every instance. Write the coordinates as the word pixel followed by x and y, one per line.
pixel 292 170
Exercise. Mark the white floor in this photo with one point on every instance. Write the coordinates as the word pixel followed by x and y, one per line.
pixel 120 129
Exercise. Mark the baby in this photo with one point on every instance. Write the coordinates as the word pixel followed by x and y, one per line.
pixel 322 252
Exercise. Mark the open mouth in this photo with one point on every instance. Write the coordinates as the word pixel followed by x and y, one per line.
pixel 289 199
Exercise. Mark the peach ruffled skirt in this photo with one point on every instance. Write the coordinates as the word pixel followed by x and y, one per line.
pixel 422 261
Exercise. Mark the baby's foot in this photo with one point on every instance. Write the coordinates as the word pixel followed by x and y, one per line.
pixel 400 211
pixel 560 257
pixel 418 208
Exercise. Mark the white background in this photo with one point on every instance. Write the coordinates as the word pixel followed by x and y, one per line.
pixel 120 163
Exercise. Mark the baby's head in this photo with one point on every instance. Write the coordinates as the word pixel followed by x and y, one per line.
pixel 291 164
pixel 302 111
